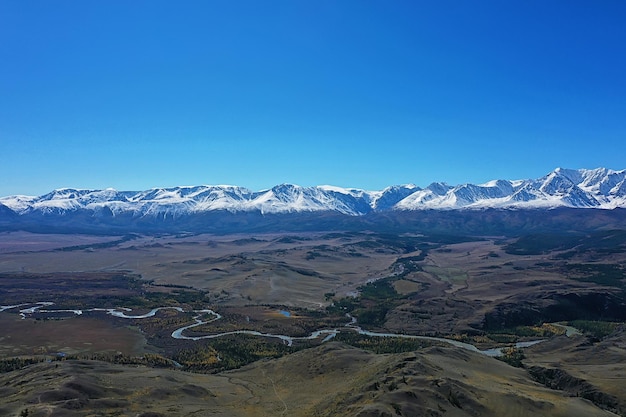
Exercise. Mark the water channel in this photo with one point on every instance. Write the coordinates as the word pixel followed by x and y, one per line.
pixel 206 316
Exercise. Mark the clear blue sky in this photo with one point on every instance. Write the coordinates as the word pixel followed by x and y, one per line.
pixel 140 94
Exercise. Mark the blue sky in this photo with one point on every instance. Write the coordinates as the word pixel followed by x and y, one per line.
pixel 140 94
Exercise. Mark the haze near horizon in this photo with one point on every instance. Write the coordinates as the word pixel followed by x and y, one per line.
pixel 354 94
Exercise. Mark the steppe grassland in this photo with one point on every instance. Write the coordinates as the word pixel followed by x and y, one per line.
pixel 79 335
pixel 602 364
pixel 484 271
pixel 237 269
pixel 25 241
pixel 339 381
pixel 325 264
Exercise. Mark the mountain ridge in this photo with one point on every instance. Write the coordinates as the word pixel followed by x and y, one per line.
pixel 561 201
pixel 597 188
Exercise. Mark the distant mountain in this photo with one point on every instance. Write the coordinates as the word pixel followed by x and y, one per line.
pixel 199 206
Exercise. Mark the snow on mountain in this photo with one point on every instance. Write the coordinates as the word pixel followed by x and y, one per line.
pixel 287 198
pixel 596 188
pixel 18 203
pixel 390 196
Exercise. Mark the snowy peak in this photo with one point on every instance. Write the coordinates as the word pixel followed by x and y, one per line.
pixel 596 188
pixel 390 196
pixel 288 198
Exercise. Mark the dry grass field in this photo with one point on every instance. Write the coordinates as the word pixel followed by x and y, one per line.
pixel 12 242
pixel 601 364
pixel 78 335
pixel 330 380
pixel 291 270
pixel 486 291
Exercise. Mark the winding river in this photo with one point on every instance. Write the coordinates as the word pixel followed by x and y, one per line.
pixel 206 316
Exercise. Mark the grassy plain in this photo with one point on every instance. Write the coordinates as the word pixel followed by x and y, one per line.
pixel 291 270
pixel 488 291
pixel 81 335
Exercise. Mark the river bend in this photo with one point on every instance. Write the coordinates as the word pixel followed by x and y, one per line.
pixel 206 316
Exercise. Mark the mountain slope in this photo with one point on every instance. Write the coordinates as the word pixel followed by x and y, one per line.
pixel 598 188
pixel 339 380
pixel 189 207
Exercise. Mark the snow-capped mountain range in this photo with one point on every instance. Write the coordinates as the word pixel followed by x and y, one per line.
pixel 583 188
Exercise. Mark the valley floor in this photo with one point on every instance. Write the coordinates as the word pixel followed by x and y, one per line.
pixel 484 291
